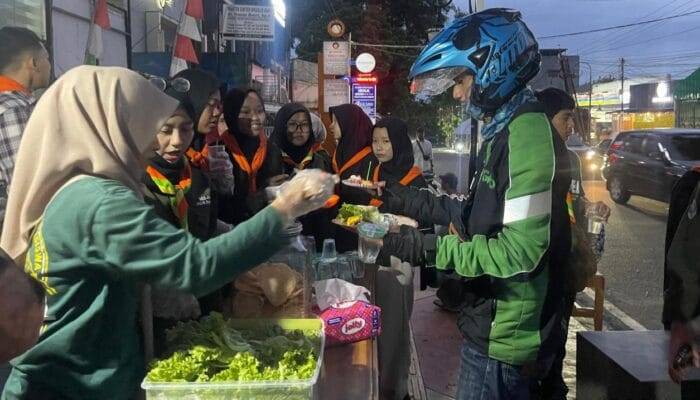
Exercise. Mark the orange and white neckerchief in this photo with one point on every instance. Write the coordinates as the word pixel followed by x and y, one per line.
pixel 305 162
pixel 240 159
pixel 178 201
pixel 410 176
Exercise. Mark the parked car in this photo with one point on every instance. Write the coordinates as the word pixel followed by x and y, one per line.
pixel 648 163
pixel 591 160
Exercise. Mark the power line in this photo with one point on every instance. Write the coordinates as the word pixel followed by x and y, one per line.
pixel 619 26
pixel 627 33
pixel 607 49
pixel 389 46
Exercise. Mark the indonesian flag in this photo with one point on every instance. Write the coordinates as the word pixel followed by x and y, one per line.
pixel 100 22
pixel 187 31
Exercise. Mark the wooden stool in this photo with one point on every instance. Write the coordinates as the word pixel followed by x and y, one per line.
pixel 597 283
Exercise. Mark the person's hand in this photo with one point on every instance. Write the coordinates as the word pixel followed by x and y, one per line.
pixel 307 191
pixel 377 190
pixel 598 208
pixel 406 245
pixel 681 335
pixel 277 180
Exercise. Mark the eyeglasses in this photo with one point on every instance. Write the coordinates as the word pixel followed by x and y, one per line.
pixel 293 127
pixel 181 85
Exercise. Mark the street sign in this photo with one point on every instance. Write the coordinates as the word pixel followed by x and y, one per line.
pixel 336 57
pixel 365 96
pixel 335 93
pixel 253 23
pixel 365 63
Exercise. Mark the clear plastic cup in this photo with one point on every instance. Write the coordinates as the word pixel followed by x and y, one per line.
pixel 370 241
pixel 595 224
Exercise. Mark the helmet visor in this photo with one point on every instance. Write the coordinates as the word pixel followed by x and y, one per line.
pixel 435 82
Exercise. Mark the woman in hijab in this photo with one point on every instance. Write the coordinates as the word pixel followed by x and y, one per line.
pixel 352 131
pixel 78 224
pixel 294 136
pixel 257 162
pixel 205 96
pixel 179 194
pixel 393 149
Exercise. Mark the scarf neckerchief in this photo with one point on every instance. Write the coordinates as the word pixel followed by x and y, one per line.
pixel 199 159
pixel 352 161
pixel 178 201
pixel 240 158
pixel 412 174
pixel 570 207
pixel 504 114
pixel 11 85
pixel 305 162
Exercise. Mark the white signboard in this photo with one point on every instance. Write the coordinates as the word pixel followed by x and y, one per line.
pixel 336 58
pixel 255 23
pixel 335 93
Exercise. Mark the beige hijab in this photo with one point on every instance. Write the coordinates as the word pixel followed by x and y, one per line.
pixel 92 121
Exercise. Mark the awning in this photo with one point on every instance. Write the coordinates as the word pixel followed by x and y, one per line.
pixel 688 88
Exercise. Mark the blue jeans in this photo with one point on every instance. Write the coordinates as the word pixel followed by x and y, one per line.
pixel 483 378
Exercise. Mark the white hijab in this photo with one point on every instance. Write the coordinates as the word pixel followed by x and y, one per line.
pixel 93 121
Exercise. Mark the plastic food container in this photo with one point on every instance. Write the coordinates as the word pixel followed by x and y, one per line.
pixel 256 390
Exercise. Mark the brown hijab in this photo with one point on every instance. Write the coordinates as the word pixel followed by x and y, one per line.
pixel 102 120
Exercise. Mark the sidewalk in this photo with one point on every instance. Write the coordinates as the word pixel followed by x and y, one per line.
pixel 438 342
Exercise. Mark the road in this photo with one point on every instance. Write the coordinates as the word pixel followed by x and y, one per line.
pixel 633 259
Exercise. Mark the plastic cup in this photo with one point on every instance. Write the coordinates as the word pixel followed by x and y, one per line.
pixel 370 241
pixel 595 224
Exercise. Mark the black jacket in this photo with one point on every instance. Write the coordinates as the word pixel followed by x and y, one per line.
pixel 201 215
pixel 682 268
pixel 244 204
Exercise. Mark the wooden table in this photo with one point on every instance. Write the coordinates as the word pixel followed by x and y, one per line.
pixel 351 371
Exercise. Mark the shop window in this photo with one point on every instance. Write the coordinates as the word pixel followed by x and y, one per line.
pixel 30 14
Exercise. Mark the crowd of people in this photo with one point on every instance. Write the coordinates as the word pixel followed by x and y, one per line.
pixel 161 191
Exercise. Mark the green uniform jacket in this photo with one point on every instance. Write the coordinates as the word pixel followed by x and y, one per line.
pixel 97 241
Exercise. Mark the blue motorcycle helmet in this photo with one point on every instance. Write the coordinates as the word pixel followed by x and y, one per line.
pixel 494 45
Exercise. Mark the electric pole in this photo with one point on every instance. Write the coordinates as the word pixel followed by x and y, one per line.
pixel 622 90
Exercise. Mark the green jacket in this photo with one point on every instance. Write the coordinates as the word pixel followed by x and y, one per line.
pixel 96 243
pixel 518 241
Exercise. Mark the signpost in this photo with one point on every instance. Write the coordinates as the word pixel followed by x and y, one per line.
pixel 336 58
pixel 253 23
pixel 365 96
pixel 335 93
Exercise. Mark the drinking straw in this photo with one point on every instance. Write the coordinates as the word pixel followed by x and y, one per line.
pixel 368 170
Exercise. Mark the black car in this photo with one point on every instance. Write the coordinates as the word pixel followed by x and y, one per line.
pixel 648 163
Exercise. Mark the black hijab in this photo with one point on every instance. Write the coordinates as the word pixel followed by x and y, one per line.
pixel 356 128
pixel 296 153
pixel 402 161
pixel 172 171
pixel 233 102
pixel 202 85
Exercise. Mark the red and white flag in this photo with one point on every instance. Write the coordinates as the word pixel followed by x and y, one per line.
pixel 187 31
pixel 100 22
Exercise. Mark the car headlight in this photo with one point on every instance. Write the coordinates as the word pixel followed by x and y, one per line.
pixel 590 154
pixel 593 167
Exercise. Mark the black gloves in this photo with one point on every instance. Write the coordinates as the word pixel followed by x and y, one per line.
pixel 407 245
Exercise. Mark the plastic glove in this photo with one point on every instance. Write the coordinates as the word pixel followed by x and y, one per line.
pixel 307 191
pixel 407 246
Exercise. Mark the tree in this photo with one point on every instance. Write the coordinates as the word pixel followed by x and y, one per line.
pixel 403 22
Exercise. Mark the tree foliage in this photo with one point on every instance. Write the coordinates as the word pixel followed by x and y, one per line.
pixel 404 22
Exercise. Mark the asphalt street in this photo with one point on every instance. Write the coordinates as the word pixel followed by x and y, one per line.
pixel 633 259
